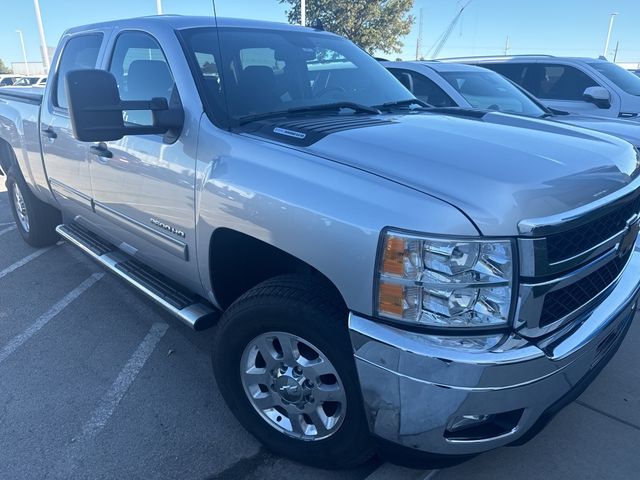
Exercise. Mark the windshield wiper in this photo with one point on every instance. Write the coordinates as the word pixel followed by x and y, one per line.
pixel 356 107
pixel 405 103
pixel 337 106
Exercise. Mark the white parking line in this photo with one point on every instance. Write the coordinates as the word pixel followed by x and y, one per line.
pixel 108 404
pixel 17 341
pixel 126 377
pixel 24 261
pixel 6 230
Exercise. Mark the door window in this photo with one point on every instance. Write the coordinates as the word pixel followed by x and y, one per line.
pixel 141 71
pixel 423 88
pixel 562 82
pixel 79 53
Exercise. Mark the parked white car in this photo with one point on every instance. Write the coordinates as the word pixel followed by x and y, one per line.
pixel 8 80
pixel 578 85
pixel 467 86
pixel 31 81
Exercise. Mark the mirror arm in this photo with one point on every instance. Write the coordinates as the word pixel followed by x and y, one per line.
pixel 155 104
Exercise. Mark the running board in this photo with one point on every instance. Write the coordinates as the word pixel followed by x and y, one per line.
pixel 187 306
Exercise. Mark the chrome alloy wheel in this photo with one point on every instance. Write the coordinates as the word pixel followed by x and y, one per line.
pixel 21 207
pixel 293 386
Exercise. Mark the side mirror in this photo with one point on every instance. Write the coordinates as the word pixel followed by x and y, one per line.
pixel 599 96
pixel 96 109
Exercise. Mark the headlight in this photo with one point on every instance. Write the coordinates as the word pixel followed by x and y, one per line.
pixel 445 283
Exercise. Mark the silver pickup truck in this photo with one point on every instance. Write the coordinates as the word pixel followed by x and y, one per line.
pixel 382 274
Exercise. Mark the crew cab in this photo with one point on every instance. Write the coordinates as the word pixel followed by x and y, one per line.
pixel 591 86
pixel 471 87
pixel 382 274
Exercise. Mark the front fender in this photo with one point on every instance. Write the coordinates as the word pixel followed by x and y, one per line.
pixel 324 213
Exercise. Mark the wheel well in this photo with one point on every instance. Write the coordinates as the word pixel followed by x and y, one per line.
pixel 239 262
pixel 7 157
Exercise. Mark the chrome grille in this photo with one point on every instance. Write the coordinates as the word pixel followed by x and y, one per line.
pixel 568 244
pixel 562 302
pixel 566 273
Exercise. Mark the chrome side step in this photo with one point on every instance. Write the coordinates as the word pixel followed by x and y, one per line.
pixel 188 307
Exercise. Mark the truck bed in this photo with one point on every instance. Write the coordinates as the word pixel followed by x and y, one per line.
pixel 25 94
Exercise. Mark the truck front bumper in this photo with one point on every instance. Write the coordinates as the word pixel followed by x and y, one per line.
pixel 424 393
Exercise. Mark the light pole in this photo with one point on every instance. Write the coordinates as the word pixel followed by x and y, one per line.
pixel 43 42
pixel 159 7
pixel 606 44
pixel 24 51
pixel 303 13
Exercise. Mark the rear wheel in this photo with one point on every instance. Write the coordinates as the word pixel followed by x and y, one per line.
pixel 36 220
pixel 284 364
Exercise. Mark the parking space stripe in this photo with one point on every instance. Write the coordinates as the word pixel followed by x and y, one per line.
pixel 21 338
pixel 126 377
pixel 81 445
pixel 7 230
pixel 24 261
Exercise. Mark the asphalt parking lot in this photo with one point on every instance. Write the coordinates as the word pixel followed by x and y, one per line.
pixel 98 382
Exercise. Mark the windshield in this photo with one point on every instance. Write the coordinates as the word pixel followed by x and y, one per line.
pixel 490 91
pixel 260 71
pixel 624 79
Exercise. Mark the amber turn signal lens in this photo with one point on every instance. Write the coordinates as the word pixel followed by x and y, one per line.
pixel 393 257
pixel 391 299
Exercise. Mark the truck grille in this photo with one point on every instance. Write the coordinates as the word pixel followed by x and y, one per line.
pixel 573 242
pixel 562 302
pixel 565 275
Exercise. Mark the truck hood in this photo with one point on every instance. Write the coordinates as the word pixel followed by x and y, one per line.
pixel 626 129
pixel 498 169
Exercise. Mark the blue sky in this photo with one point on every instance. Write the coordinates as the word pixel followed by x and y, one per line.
pixel 561 27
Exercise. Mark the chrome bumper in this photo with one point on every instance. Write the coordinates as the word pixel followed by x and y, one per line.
pixel 414 387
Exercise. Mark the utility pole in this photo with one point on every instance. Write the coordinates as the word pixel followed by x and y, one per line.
pixel 43 41
pixel 615 54
pixel 159 7
pixel 606 43
pixel 419 40
pixel 303 13
pixel 506 46
pixel 24 51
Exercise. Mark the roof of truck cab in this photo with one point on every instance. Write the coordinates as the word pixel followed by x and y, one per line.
pixel 179 22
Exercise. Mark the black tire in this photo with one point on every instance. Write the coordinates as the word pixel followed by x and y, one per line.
pixel 42 217
pixel 305 307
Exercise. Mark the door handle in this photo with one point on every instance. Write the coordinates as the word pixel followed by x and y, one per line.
pixel 101 150
pixel 49 133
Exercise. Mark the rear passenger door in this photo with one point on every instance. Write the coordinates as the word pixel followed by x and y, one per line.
pixel 67 159
pixel 144 185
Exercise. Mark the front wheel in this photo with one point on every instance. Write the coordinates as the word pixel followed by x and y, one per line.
pixel 284 364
